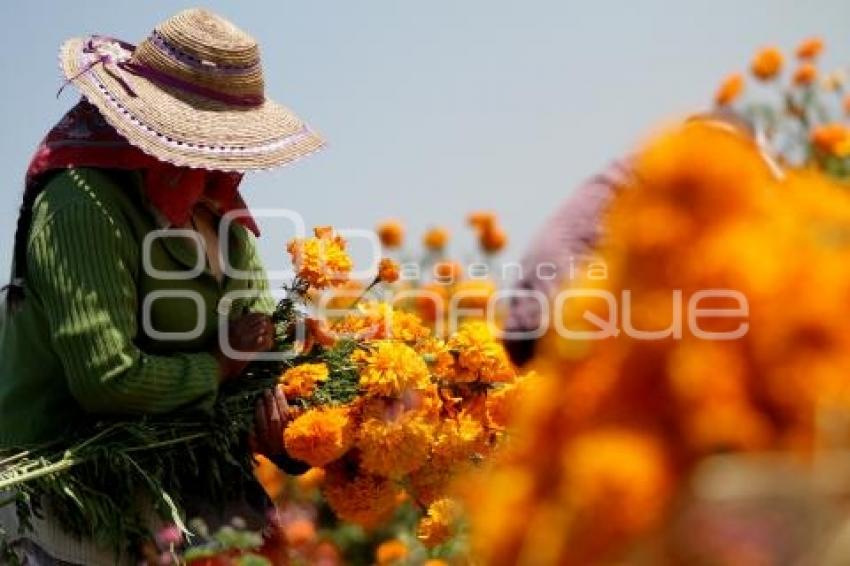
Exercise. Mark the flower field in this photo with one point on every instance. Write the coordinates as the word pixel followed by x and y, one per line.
pixel 691 407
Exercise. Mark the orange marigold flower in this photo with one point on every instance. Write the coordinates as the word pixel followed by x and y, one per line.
pixel 320 436
pixel 430 482
pixel 833 139
pixel 391 553
pixel 810 48
pixel 730 89
pixel 380 321
pixel 435 562
pixel 458 438
pixel 432 301
pixel 767 63
pixel 436 354
pixel 388 270
pixel 481 220
pixel 448 271
pixel 682 172
pixel 321 261
pixel 318 331
pixel 299 532
pixel 311 479
pixel 270 477
pixel 474 295
pixel 726 424
pixel 805 74
pixel 358 497
pixel 391 368
pixel 393 441
pixel 327 553
pixel 606 465
pixel 301 381
pixel 479 356
pixel 391 233
pixel 435 239
pixel 503 401
pixel 493 239
pixel 439 523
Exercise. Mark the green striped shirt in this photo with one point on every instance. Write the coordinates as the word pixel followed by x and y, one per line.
pixel 77 349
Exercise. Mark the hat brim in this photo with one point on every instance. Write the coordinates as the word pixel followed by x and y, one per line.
pixel 185 129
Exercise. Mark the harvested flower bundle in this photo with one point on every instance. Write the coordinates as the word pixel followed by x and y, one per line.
pixel 387 409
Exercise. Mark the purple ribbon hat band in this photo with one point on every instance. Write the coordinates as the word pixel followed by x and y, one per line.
pixel 114 54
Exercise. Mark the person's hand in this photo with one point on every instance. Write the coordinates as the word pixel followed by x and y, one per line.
pixel 248 334
pixel 270 418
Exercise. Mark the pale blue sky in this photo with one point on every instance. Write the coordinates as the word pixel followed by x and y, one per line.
pixel 433 108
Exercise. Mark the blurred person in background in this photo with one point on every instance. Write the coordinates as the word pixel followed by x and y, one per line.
pixel 567 240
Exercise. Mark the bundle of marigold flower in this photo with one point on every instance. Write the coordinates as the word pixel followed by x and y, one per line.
pixel 389 411
pixel 606 440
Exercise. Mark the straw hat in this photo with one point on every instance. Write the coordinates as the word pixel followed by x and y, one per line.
pixel 191 94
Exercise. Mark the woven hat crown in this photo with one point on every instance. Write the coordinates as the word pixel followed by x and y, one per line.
pixel 200 47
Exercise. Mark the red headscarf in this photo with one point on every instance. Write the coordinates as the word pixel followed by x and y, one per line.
pixel 82 138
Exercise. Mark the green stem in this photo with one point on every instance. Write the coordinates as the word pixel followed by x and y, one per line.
pixel 59 466
pixel 70 461
pixel 94 438
pixel 14 458
pixel 365 292
pixel 179 440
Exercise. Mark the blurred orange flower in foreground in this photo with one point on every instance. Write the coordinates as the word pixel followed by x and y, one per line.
pixel 391 233
pixel 602 448
pixel 767 63
pixel 730 89
pixel 810 48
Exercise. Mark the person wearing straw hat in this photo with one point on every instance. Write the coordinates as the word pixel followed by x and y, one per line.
pixel 160 140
